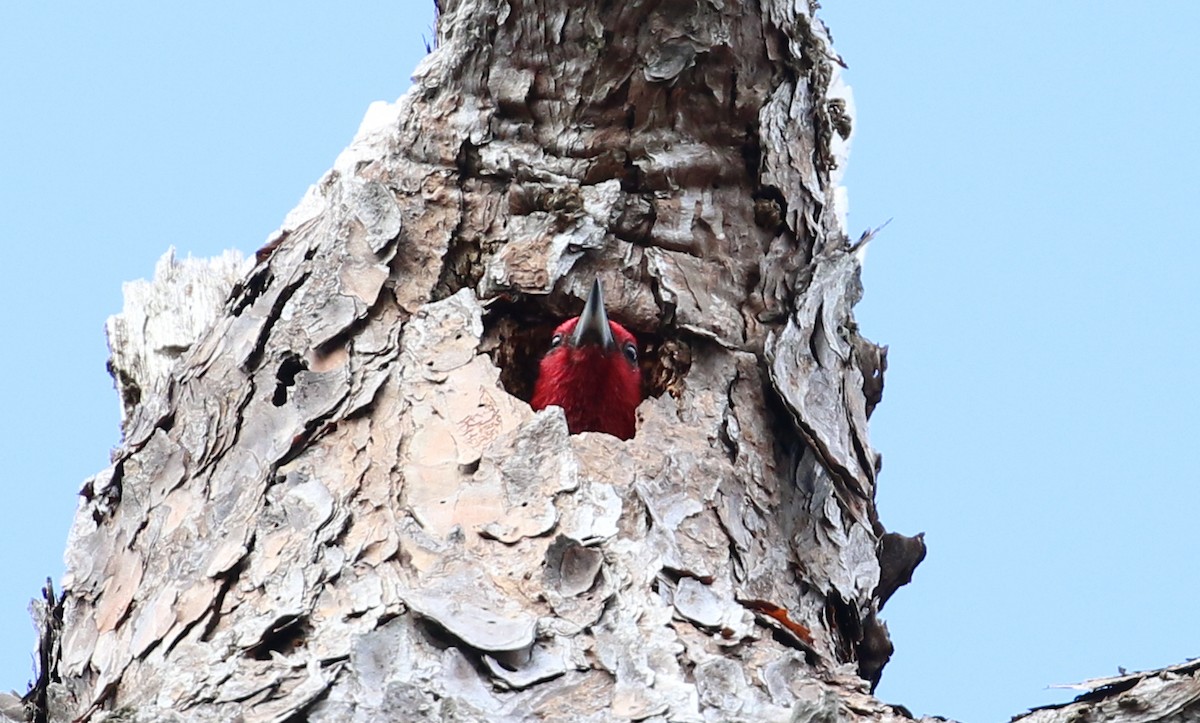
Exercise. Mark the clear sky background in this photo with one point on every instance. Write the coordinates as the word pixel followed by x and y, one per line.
pixel 1037 287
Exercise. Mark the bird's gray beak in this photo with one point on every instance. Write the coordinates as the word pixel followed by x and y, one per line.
pixel 592 327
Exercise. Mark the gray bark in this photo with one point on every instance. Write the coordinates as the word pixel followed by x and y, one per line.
pixel 335 504
pixel 1167 695
pixel 162 319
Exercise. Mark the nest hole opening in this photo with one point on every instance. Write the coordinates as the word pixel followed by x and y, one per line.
pixel 517 334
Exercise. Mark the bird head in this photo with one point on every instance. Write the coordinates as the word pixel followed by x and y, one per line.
pixel 592 336
pixel 591 371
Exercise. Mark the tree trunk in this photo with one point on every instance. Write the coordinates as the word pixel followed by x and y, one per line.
pixel 336 506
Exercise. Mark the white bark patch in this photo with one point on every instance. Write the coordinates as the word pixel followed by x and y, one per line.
pixel 163 318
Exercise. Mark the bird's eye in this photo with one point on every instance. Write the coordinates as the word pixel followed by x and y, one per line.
pixel 630 352
pixel 556 340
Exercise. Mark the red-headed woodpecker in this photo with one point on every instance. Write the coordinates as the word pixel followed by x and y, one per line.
pixel 591 371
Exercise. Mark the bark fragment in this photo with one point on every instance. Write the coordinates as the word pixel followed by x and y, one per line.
pixel 1170 694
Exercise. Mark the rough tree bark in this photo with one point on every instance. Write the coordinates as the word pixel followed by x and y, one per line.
pixel 331 502
pixel 336 505
pixel 1168 695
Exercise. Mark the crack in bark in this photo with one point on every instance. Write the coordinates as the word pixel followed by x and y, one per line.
pixel 254 358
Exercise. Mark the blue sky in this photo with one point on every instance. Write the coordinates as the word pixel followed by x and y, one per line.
pixel 1036 287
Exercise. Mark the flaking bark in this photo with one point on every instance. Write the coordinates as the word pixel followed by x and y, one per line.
pixel 1166 695
pixel 333 507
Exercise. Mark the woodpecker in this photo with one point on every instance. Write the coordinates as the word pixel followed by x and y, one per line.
pixel 591 371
